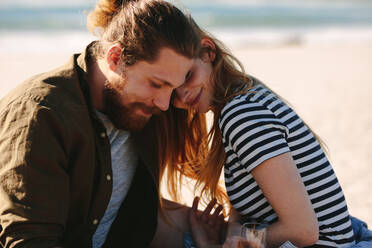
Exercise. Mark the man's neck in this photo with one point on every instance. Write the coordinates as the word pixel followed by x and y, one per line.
pixel 96 80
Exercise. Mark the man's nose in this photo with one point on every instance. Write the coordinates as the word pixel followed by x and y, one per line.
pixel 162 100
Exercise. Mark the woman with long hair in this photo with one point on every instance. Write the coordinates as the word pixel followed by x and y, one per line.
pixel 275 168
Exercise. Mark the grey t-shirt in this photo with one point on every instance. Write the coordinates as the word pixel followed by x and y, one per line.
pixel 124 161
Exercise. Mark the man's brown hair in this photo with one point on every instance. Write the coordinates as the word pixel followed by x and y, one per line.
pixel 142 27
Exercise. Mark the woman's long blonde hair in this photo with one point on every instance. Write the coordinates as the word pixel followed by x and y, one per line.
pixel 187 147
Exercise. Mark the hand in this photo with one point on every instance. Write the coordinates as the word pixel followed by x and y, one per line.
pixel 207 229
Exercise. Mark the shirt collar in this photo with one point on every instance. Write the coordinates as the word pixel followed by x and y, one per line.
pixel 81 65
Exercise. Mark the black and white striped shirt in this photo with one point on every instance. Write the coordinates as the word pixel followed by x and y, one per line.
pixel 258 126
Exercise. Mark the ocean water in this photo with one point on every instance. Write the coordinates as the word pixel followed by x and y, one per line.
pixel 37 26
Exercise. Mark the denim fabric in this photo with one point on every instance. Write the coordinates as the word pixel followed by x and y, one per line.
pixel 188 241
pixel 363 236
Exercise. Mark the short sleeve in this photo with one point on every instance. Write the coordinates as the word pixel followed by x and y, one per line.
pixel 252 133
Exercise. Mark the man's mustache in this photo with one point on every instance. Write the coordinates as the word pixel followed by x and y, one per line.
pixel 147 109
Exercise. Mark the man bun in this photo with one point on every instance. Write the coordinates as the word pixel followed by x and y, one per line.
pixel 103 13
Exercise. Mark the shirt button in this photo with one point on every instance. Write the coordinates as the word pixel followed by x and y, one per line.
pixel 103 135
pixel 108 177
pixel 95 222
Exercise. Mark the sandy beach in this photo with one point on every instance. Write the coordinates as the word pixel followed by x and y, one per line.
pixel 330 86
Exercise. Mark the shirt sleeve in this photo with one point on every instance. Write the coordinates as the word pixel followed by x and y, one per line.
pixel 34 185
pixel 251 134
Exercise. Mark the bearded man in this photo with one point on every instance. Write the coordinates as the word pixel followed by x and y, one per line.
pixel 71 173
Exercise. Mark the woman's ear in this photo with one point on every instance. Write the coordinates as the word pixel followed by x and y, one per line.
pixel 210 47
pixel 113 57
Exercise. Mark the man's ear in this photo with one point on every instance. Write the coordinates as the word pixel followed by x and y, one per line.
pixel 209 45
pixel 113 57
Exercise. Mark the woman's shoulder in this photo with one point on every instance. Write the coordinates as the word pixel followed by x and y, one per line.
pixel 258 106
pixel 258 96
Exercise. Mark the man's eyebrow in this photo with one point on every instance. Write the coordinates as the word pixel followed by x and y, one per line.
pixel 169 84
pixel 162 81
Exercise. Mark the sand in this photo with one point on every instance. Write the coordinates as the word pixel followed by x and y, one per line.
pixel 330 86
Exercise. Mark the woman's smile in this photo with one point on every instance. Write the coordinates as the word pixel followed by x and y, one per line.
pixel 196 100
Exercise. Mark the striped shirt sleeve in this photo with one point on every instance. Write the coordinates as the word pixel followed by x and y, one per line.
pixel 252 132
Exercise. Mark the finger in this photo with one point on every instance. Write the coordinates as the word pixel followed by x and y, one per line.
pixel 194 207
pixel 193 215
pixel 208 209
pixel 222 226
pixel 195 204
pixel 213 220
pixel 217 211
pixel 221 220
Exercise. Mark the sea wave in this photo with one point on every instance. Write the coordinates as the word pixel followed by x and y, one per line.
pixel 36 42
pixel 294 36
pixel 33 42
pixel 46 28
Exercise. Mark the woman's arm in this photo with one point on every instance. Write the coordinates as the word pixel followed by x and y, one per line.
pixel 281 184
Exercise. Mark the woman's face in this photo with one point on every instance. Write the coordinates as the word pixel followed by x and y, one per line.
pixel 197 91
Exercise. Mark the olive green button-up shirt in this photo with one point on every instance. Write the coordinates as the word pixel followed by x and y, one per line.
pixel 54 167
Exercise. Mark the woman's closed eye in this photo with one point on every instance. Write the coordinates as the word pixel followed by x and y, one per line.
pixel 189 76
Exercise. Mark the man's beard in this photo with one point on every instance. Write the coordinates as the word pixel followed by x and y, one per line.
pixel 124 116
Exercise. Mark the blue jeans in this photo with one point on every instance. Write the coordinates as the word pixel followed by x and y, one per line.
pixel 363 236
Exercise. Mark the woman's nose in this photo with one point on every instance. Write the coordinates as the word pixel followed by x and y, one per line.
pixel 182 94
pixel 179 98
